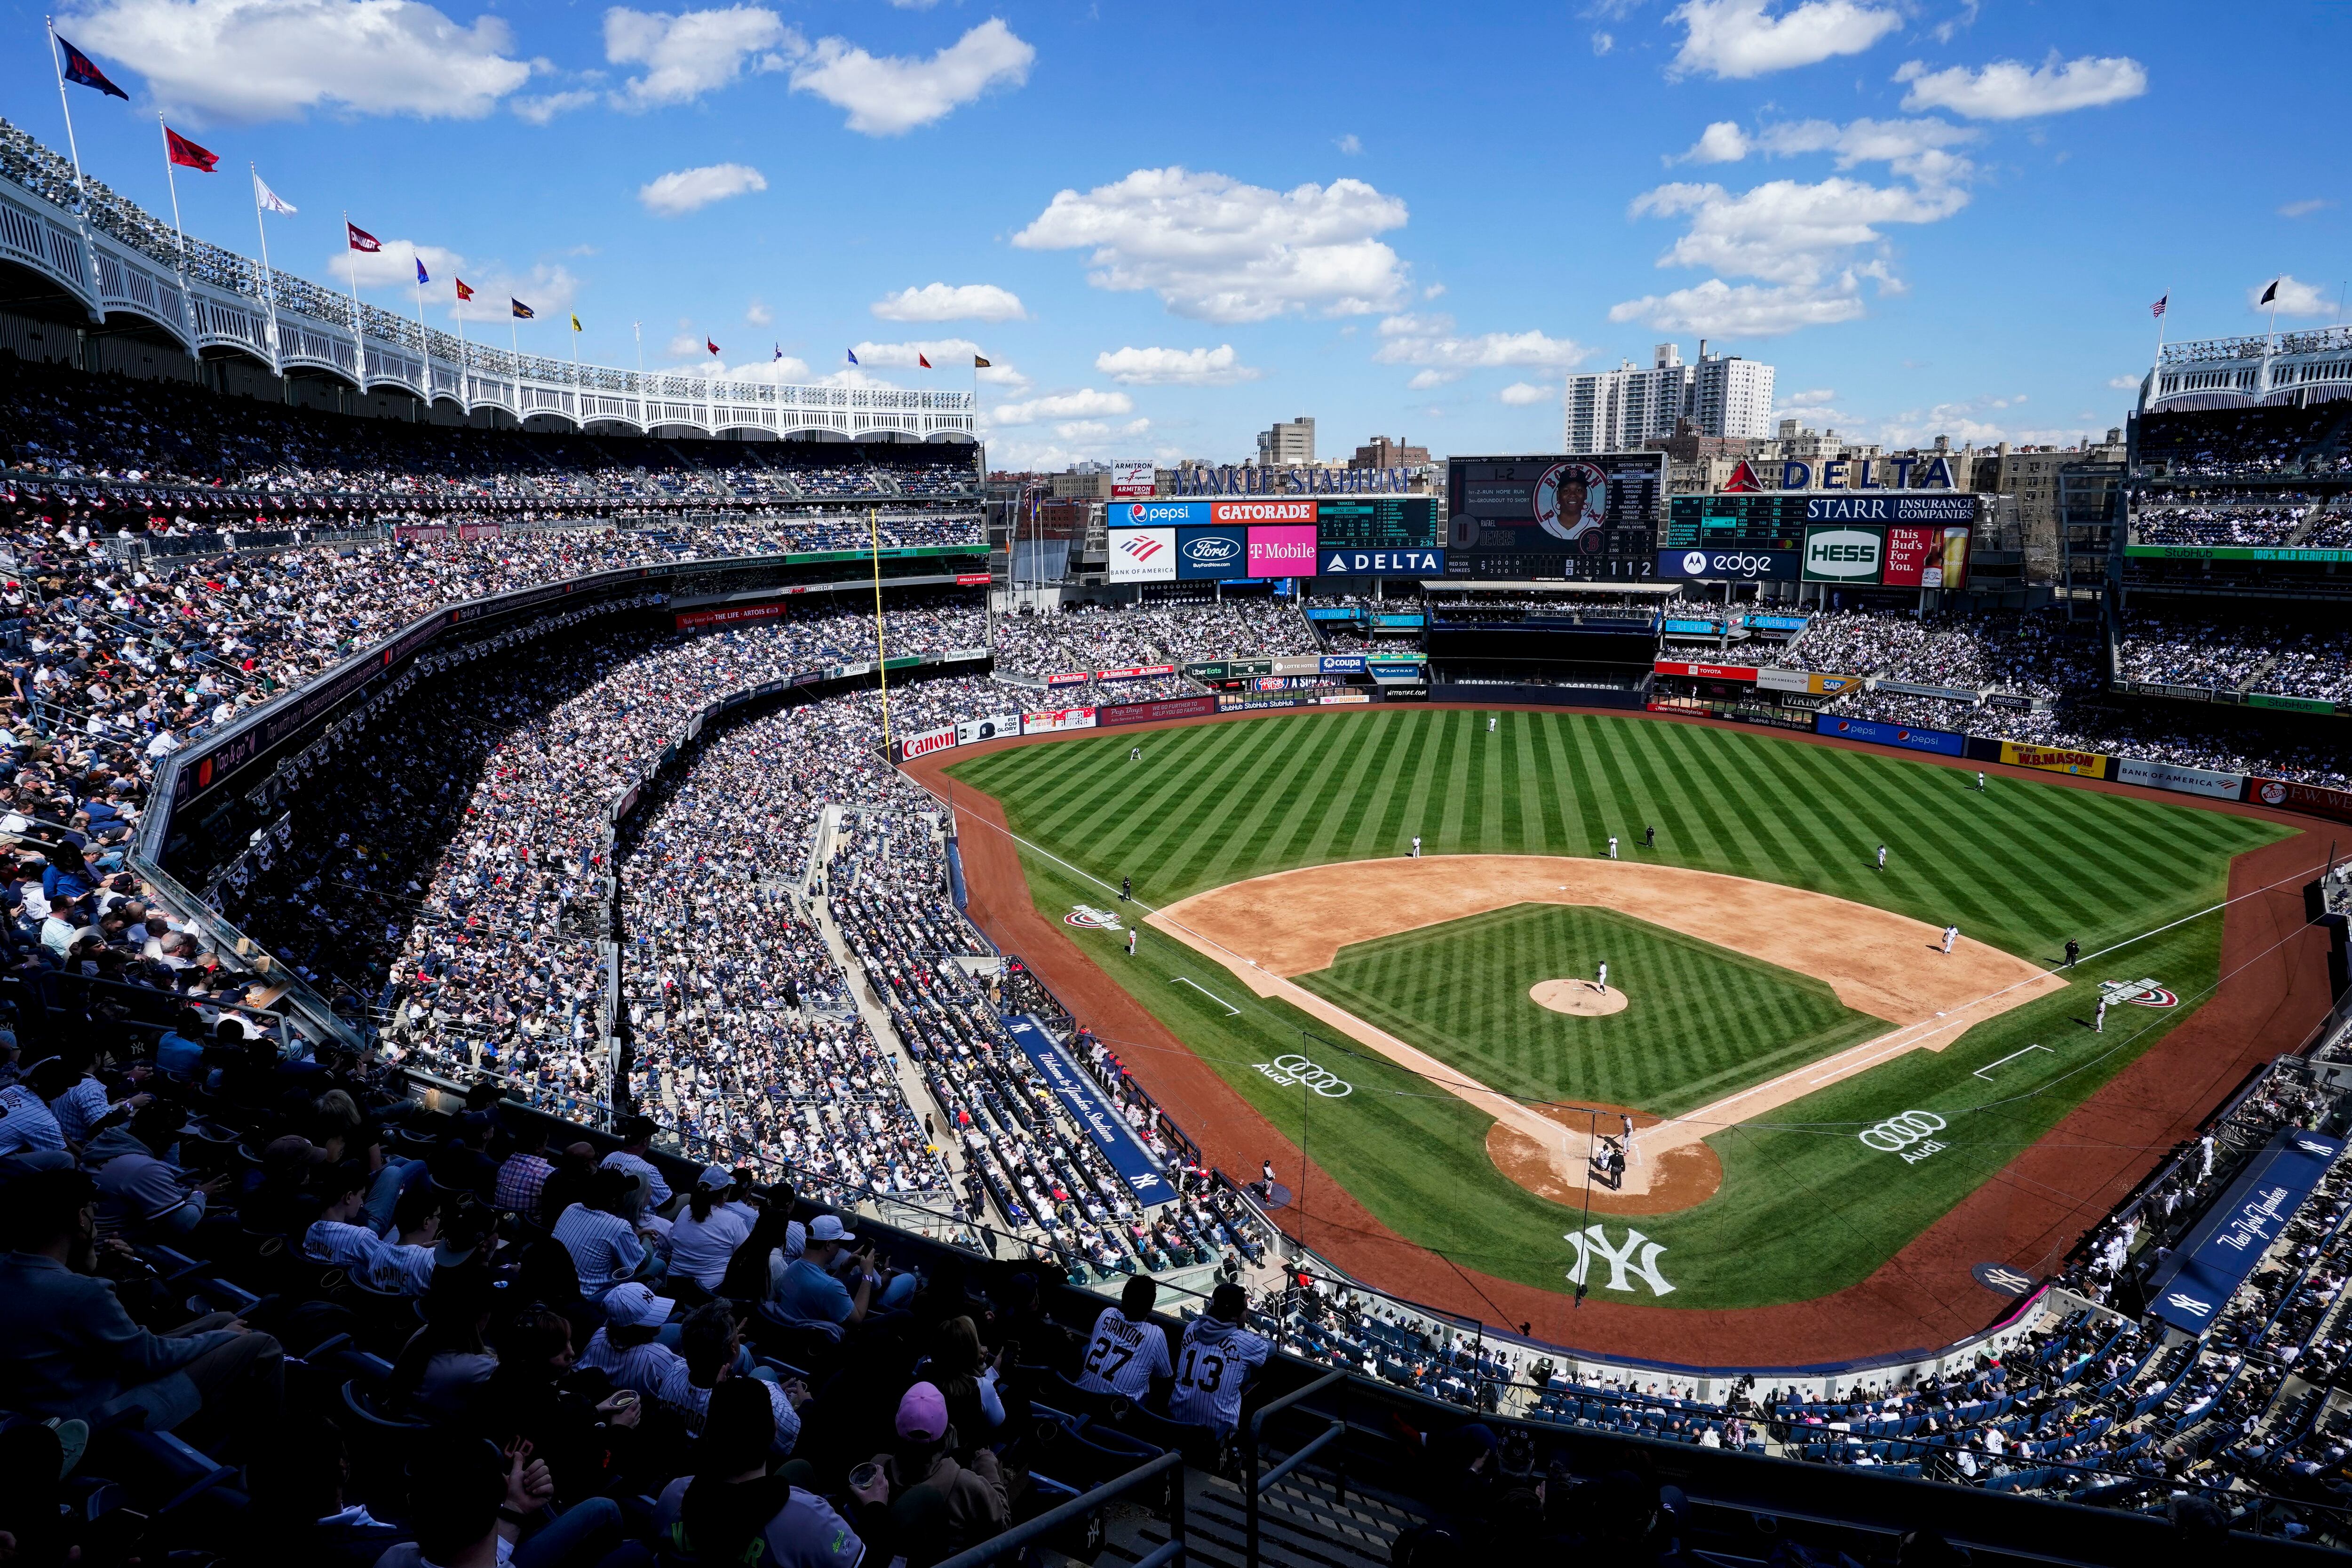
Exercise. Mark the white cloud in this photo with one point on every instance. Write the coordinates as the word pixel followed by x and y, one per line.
pixel 759 315
pixel 2295 298
pixel 2006 89
pixel 1602 43
pixel 551 290
pixel 1721 142
pixel 689 190
pixel 273 59
pixel 546 107
pixel 2126 383
pixel 1096 429
pixel 691 53
pixel 1085 403
pixel 1431 342
pixel 395 266
pixel 1788 231
pixel 1816 398
pixel 685 343
pixel 1520 393
pixel 1915 148
pixel 1219 366
pixel 945 354
pixel 2305 209
pixel 950 302
pixel 1350 145
pixel 1734 37
pixel 1748 311
pixel 1216 249
pixel 890 95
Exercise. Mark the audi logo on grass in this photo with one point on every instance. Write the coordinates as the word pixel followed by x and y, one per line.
pixel 1910 1135
pixel 1293 1069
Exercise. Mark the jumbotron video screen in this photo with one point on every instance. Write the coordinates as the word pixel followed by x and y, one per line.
pixel 1549 516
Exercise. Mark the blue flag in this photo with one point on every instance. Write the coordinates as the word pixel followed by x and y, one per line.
pixel 422 278
pixel 853 356
pixel 80 69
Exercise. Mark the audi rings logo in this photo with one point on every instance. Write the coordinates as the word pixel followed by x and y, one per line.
pixel 1293 1069
pixel 1899 1133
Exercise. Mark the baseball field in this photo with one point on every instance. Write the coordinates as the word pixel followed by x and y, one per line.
pixel 1809 1080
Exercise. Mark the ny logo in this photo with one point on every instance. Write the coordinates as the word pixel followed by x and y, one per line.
pixel 2190 1304
pixel 1593 1242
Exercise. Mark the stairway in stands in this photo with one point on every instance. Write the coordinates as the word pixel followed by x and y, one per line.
pixel 1303 1525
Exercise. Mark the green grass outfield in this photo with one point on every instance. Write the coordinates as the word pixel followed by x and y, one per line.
pixel 1701 1021
pixel 1806 1208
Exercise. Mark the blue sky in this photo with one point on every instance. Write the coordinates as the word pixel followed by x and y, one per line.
pixel 1168 225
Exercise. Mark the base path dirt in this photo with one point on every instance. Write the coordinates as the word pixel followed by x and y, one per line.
pixel 1890 966
pixel 2275 990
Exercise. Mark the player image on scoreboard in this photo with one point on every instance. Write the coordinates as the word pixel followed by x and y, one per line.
pixel 1571 500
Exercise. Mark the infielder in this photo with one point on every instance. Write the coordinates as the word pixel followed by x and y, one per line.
pixel 1131 942
pixel 1416 846
pixel 1650 838
pixel 1612 849
pixel 1951 935
pixel 1603 981
pixel 2099 1017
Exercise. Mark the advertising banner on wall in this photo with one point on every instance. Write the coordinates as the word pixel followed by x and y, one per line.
pixel 1942 742
pixel 1807 681
pixel 1282 549
pixel 1341 664
pixel 972 731
pixel 1296 509
pixel 1843 554
pixel 1220 552
pixel 2336 803
pixel 2182 780
pixel 1152 713
pixel 2195 1280
pixel 1084 1098
pixel 930 740
pixel 1739 564
pixel 1143 555
pixel 1135 672
pixel 1705 671
pixel 1053 718
pixel 1131 479
pixel 2055 760
pixel 1332 563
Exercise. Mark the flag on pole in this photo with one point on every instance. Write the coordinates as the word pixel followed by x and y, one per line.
pixel 780 350
pixel 464 293
pixel 853 356
pixel 711 346
pixel 2157 308
pixel 361 239
pixel 270 200
pixel 522 312
pixel 2269 294
pixel 423 277
pixel 921 360
pixel 575 320
pixel 81 70
pixel 186 153
pixel 977 362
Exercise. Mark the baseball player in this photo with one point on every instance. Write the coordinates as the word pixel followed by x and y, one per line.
pixel 1128 1350
pixel 1603 981
pixel 1217 1358
pixel 1650 838
pixel 1131 942
pixel 1882 857
pixel 1951 935
pixel 1612 847
pixel 1981 781
pixel 1135 753
pixel 2099 1017
pixel 1490 724
pixel 1416 846
pixel 2073 952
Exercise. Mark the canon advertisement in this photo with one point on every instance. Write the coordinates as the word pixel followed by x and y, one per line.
pixel 1553 516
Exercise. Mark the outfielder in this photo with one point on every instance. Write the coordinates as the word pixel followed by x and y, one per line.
pixel 1490 725
pixel 1981 781
pixel 1882 857
pixel 1135 753
pixel 1951 935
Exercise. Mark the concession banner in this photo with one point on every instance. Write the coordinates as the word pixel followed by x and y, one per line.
pixel 2056 760
pixel 2180 779
pixel 1134 672
pixel 1053 718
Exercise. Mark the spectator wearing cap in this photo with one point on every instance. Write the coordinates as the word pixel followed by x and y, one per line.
pixel 731 1511
pixel 630 1349
pixel 604 1246
pixel 809 1291
pixel 704 1237
pixel 73 1351
pixel 637 1137
pixel 140 1187
pixel 522 1175
pixel 940 1506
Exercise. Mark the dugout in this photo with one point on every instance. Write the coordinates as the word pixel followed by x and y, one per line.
pixel 1588 644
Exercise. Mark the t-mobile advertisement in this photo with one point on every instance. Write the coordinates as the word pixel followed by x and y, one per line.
pixel 1286 549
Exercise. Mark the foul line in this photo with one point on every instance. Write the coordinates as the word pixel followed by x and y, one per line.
pixel 2007 1059
pixel 1181 979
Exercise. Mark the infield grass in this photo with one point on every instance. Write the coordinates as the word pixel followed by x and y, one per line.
pixel 1805 1208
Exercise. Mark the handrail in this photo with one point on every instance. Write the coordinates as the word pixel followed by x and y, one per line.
pixel 1078 1506
pixel 1254 1485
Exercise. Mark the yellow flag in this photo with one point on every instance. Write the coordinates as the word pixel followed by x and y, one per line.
pixel 575 322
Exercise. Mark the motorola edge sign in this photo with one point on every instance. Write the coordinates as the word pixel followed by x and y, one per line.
pixel 1737 566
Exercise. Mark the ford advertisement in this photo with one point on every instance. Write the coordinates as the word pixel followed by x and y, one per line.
pixel 1222 553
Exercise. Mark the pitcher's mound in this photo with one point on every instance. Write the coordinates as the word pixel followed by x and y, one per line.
pixel 1578 998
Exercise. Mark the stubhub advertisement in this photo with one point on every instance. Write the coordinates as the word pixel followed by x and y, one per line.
pixel 1283 551
pixel 1212 552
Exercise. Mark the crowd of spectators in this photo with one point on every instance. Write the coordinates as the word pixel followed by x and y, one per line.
pixel 2232 442
pixel 1124 635
pixel 2266 522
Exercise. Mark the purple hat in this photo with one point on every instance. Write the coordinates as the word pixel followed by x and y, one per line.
pixel 923 1413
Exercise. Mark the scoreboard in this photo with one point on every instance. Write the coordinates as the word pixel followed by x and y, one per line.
pixel 1902 539
pixel 1376 523
pixel 1777 519
pixel 1551 516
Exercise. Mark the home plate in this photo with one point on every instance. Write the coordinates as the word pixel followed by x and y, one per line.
pixel 1578 998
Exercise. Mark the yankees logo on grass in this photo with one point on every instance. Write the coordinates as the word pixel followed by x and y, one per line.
pixel 1293 1069
pixel 1908 1135
pixel 1592 1242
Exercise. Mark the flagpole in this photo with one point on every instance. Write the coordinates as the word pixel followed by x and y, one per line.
pixel 57 69
pixel 465 356
pixel 578 402
pixel 424 341
pixel 173 180
pixel 268 278
pixel 351 255
pixel 638 328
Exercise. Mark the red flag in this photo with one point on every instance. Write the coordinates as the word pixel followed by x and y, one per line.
pixel 186 153
pixel 921 360
pixel 711 346
pixel 361 239
pixel 464 293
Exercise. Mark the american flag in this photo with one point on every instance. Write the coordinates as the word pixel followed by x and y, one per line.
pixel 2157 308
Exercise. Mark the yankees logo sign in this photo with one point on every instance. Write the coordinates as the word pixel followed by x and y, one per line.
pixel 1909 1135
pixel 1592 1242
